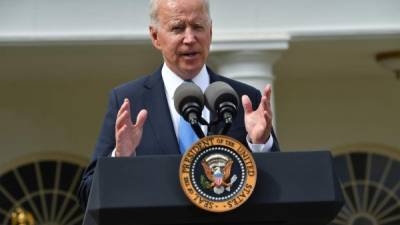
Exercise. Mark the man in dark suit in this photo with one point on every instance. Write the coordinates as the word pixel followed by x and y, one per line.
pixel 141 119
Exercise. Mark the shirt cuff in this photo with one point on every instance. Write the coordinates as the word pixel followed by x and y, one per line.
pixel 113 153
pixel 261 147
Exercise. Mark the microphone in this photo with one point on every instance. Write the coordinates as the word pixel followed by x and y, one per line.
pixel 189 103
pixel 222 100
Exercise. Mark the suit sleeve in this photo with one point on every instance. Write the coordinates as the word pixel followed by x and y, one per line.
pixel 104 146
pixel 275 146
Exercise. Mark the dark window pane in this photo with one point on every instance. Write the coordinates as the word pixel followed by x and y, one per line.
pixel 36 200
pixel 349 192
pixel 378 164
pixel 360 190
pixel 5 203
pixel 393 213
pixel 60 202
pixel 27 207
pixel 394 175
pixel 28 175
pixel 381 196
pixel 49 200
pixel 2 218
pixel 76 214
pixel 398 192
pixel 341 168
pixel 10 183
pixel 70 205
pixel 75 191
pixel 359 162
pixel 48 170
pixel 394 222
pixel 371 193
pixel 68 172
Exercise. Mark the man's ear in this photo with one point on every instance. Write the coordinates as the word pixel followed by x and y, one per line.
pixel 154 37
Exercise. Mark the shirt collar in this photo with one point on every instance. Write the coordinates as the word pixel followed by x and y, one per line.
pixel 172 81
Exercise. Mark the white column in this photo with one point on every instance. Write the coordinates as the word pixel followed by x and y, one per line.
pixel 248 66
pixel 249 63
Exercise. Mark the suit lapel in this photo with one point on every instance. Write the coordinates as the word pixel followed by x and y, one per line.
pixel 159 116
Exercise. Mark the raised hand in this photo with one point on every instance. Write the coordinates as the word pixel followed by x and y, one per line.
pixel 127 134
pixel 258 122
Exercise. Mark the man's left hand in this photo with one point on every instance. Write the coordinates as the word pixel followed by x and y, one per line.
pixel 258 122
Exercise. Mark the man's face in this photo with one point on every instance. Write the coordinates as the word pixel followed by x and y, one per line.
pixel 183 36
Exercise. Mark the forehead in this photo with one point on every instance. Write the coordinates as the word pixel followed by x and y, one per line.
pixel 182 10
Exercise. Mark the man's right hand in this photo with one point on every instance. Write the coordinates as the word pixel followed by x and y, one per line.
pixel 127 134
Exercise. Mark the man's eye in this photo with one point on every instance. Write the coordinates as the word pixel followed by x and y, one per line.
pixel 198 27
pixel 177 29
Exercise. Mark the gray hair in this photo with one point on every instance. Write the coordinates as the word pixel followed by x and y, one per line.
pixel 154 5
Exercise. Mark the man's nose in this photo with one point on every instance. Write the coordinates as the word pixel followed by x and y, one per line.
pixel 189 37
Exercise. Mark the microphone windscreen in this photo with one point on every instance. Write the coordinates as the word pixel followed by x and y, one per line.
pixel 219 92
pixel 188 92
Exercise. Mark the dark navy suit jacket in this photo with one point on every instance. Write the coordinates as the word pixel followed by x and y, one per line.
pixel 158 133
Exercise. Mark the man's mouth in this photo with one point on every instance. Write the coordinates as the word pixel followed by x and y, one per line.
pixel 189 54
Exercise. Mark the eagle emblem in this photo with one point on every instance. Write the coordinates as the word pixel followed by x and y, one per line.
pixel 217 168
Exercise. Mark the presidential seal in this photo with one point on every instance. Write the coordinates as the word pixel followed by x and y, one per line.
pixel 218 173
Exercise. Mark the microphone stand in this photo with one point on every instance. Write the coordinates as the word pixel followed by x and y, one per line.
pixel 228 121
pixel 227 124
pixel 195 124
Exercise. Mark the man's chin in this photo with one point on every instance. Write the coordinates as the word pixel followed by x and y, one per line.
pixel 191 71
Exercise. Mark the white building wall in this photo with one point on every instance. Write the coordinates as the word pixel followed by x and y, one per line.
pixel 123 20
